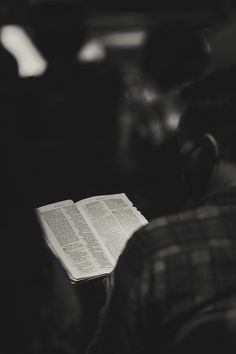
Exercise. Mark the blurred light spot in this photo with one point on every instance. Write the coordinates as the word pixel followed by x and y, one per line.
pixel 92 51
pixel 17 42
pixel 126 39
pixel 172 120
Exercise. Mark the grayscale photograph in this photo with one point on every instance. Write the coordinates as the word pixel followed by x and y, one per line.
pixel 118 168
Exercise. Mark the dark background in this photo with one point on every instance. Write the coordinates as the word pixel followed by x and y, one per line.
pixel 11 10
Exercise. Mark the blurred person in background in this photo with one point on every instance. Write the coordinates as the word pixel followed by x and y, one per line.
pixel 181 265
pixel 68 114
pixel 174 55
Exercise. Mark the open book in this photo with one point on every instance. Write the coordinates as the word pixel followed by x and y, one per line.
pixel 88 236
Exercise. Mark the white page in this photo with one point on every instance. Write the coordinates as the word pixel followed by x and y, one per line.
pixel 73 242
pixel 113 218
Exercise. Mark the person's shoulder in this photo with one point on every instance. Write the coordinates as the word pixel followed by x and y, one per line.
pixel 178 219
pixel 168 230
pixel 166 239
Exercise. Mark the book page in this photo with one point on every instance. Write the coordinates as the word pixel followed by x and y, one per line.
pixel 113 218
pixel 73 242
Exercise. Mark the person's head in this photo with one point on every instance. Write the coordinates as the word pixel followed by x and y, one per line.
pixel 207 136
pixel 57 27
pixel 174 54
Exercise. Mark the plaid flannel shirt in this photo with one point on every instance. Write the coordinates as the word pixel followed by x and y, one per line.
pixel 169 268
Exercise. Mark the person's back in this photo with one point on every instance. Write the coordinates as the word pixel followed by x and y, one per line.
pixel 170 269
pixel 185 263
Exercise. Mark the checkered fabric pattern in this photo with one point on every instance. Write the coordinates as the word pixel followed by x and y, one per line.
pixel 170 268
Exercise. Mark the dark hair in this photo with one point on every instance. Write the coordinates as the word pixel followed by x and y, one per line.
pixel 174 53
